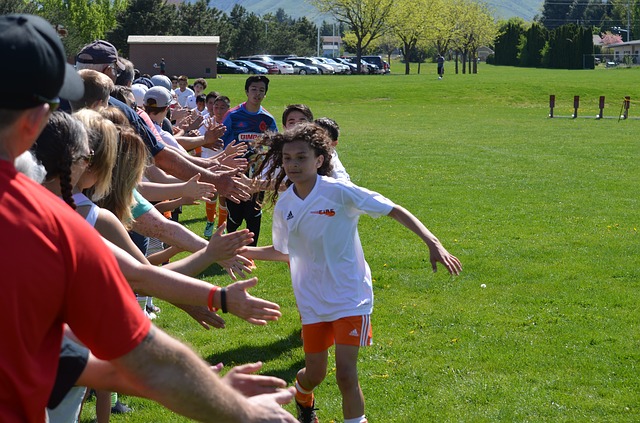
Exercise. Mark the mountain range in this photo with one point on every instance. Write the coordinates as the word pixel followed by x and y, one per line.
pixel 504 9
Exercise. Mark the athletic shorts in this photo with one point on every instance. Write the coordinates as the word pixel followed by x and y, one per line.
pixel 353 330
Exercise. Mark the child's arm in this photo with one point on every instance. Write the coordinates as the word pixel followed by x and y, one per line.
pixel 267 253
pixel 437 252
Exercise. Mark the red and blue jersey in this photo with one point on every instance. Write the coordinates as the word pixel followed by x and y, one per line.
pixel 245 126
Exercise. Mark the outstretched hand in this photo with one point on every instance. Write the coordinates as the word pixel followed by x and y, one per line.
pixel 203 316
pixel 230 186
pixel 242 379
pixel 439 254
pixel 269 407
pixel 252 309
pixel 225 246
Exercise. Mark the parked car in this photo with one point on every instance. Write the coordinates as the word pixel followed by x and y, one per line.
pixel 337 67
pixel 302 69
pixel 310 61
pixel 227 66
pixel 365 67
pixel 352 66
pixel 272 68
pixel 377 60
pixel 252 68
pixel 283 67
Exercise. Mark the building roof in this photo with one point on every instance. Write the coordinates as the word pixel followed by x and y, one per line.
pixel 166 39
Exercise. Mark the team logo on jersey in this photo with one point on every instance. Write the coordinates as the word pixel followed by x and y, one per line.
pixel 354 333
pixel 325 212
pixel 248 136
pixel 263 126
pixel 290 215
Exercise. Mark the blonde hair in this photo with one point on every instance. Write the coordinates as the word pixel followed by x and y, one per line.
pixel 127 173
pixel 97 87
pixel 103 140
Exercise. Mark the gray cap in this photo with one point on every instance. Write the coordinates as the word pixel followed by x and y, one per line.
pixel 158 97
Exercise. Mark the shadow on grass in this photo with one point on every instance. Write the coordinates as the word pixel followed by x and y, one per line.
pixel 264 353
pixel 213 270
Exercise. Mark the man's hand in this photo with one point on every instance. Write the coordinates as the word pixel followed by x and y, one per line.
pixel 225 246
pixel 269 408
pixel 241 379
pixel 203 316
pixel 230 186
pixel 252 309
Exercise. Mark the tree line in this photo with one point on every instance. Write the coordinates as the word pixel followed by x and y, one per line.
pixel 420 29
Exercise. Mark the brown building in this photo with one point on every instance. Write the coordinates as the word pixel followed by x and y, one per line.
pixel 183 55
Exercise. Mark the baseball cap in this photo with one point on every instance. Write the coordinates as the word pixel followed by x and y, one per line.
pixel 139 91
pixel 144 81
pixel 32 53
pixel 158 97
pixel 100 52
pixel 161 81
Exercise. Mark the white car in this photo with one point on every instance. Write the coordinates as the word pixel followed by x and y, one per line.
pixel 337 67
pixel 284 68
pixel 322 67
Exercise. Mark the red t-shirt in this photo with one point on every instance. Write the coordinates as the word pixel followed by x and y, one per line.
pixel 54 269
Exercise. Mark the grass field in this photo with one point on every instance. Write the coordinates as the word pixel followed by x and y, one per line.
pixel 543 211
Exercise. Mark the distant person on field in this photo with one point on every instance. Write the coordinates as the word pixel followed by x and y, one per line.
pixel 440 61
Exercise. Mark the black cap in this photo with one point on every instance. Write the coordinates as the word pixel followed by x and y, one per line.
pixel 34 65
pixel 100 52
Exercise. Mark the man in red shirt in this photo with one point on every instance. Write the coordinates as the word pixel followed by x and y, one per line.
pixel 53 264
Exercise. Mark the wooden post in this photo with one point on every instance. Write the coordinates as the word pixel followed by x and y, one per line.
pixel 627 103
pixel 601 114
pixel 552 104
pixel 576 105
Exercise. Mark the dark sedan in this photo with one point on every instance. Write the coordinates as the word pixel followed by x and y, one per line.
pixel 226 66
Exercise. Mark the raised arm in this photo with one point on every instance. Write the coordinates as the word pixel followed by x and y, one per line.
pixel 436 251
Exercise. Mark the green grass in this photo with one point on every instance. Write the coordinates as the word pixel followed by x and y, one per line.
pixel 543 211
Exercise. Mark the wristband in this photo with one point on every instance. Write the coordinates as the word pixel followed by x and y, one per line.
pixel 210 299
pixel 223 299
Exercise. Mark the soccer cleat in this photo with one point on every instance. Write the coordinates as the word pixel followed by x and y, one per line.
pixel 307 414
pixel 120 408
pixel 208 230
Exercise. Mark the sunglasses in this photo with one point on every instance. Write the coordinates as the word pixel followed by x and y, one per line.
pixel 53 103
pixel 88 158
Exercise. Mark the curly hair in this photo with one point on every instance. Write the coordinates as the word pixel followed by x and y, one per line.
pixel 58 147
pixel 272 165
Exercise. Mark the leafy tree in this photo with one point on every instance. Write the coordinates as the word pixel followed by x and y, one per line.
pixel 554 13
pixel 507 42
pixel 535 39
pixel 366 18
pixel 410 22
pixel 475 27
pixel 144 17
pixel 18 6
pixel 247 32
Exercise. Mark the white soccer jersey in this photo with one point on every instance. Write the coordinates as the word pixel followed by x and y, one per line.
pixel 330 276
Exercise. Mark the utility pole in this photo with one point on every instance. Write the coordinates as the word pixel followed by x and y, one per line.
pixel 628 19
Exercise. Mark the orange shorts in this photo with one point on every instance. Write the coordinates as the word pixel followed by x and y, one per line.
pixel 353 330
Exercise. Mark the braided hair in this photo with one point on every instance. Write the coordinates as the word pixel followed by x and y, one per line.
pixel 58 147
